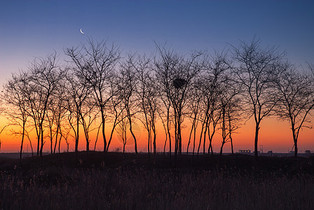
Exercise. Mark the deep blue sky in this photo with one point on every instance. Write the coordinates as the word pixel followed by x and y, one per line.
pixel 30 28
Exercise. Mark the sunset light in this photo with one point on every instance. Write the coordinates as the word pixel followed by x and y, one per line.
pixel 170 104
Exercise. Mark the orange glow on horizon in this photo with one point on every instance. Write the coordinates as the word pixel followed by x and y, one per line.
pixel 274 135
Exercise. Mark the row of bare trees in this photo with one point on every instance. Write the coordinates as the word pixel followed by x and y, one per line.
pixel 101 90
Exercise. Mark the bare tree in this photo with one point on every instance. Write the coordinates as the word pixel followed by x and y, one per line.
pixel 116 110
pixel 50 119
pixel 296 99
pixel 56 114
pixel 234 117
pixel 60 112
pixel 164 112
pixel 194 104
pixel 146 92
pixel 41 83
pixel 123 129
pixel 230 120
pixel 95 64
pixel 255 69
pixel 126 86
pixel 88 117
pixel 65 133
pixel 214 77
pixel 174 74
pixel 230 108
pixel 14 96
pixel 78 93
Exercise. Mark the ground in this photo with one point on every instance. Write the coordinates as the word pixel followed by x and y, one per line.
pixel 94 180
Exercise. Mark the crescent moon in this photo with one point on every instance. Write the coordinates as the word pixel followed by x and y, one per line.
pixel 81 31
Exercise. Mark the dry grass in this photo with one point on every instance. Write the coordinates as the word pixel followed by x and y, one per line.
pixel 142 187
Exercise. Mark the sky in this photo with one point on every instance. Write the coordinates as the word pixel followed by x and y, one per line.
pixel 37 28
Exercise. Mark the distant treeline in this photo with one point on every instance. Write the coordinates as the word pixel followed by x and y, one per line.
pixel 100 90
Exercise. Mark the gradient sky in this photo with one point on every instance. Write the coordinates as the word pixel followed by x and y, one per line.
pixel 30 29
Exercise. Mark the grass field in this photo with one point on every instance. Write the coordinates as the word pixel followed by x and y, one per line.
pixel 128 181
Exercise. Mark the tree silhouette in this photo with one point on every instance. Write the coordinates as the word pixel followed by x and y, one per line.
pixel 255 69
pixel 77 97
pixel 296 93
pixel 213 78
pixel 126 86
pixel 95 65
pixel 195 97
pixel 174 74
pixel 56 115
pixel 230 109
pixel 42 80
pixel 147 94
pixel 101 90
pixel 15 96
pixel 116 110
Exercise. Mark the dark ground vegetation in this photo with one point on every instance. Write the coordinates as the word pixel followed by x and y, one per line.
pixel 127 181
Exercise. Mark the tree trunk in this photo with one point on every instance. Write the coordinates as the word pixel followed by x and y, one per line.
pixel 22 141
pixel 190 136
pixel 223 129
pixel 56 140
pixel 77 134
pixel 165 130
pixel 97 135
pixel 59 142
pixel 131 131
pixel 179 132
pixel 87 145
pixel 295 148
pixel 38 142
pixel 103 128
pixel 41 141
pixel 148 139
pixel 51 141
pixel 111 135
pixel 194 140
pixel 207 124
pixel 175 133
pixel 222 145
pixel 168 130
pixel 295 139
pixel 204 140
pixel 210 137
pixel 86 136
pixel 231 143
pixel 200 142
pixel 154 136
pixel 256 139
pixel 230 132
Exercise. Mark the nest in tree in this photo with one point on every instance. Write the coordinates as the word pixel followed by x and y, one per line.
pixel 179 82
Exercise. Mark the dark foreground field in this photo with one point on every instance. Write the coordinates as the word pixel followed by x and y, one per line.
pixel 129 181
